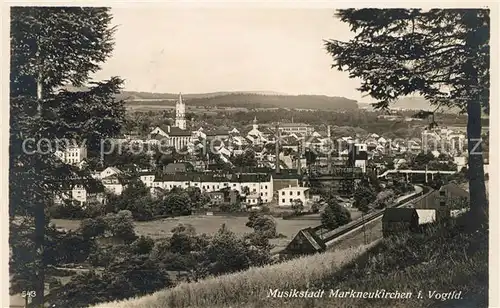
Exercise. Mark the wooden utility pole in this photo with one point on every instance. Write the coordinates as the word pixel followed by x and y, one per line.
pixel 278 137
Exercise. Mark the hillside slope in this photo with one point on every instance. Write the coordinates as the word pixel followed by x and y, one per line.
pixel 444 260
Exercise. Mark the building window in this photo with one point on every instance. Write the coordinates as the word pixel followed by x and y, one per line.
pixel 291 193
pixel 282 193
pixel 298 193
pixel 291 200
pixel 265 187
pixel 283 200
pixel 442 203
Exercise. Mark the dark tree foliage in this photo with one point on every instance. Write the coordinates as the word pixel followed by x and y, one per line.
pixel 441 54
pixel 227 253
pixel 334 215
pixel 262 224
pixel 135 276
pixel 363 196
pixel 52 47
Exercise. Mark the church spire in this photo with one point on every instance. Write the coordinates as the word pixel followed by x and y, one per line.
pixel 180 113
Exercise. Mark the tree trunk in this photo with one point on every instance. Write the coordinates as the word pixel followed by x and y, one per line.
pixel 38 301
pixel 477 187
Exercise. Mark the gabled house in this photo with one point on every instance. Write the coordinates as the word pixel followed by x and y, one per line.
pixel 147 177
pixel 306 242
pixel 399 220
pixel 115 183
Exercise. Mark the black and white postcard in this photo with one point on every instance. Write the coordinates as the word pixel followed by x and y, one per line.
pixel 249 155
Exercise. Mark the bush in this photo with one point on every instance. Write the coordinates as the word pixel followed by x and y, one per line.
pixel 363 196
pixel 297 206
pixel 105 254
pixel 262 224
pixel 131 277
pixel 142 245
pixel 121 226
pixel 315 207
pixel 335 215
pixel 94 210
pixel 67 210
pixel 92 228
pixel 230 207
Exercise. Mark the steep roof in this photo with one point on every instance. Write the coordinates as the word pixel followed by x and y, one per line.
pixel 308 237
pixel 294 125
pixel 399 215
pixel 217 133
pixel 177 132
pixel 456 190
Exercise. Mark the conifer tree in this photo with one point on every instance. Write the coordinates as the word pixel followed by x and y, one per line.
pixel 53 47
pixel 440 54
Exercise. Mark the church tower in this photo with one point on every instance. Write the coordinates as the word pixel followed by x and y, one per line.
pixel 255 125
pixel 180 113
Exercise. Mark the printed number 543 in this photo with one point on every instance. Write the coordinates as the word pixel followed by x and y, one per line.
pixel 28 294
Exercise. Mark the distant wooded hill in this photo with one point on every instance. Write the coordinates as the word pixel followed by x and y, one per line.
pixel 243 99
pixel 414 103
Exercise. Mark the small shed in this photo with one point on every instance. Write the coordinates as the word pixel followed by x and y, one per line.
pixel 399 220
pixel 304 243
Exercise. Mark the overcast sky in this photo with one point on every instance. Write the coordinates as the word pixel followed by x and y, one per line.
pixel 228 49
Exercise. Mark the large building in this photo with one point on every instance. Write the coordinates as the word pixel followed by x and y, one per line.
pixel 171 136
pixel 73 155
pixel 286 196
pixel 296 128
pixel 358 156
pixel 245 184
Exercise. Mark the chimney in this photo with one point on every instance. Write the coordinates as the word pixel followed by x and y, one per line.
pixel 299 157
pixel 329 156
pixel 278 137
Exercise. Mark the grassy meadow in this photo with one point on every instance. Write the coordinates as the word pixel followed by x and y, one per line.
pixel 443 260
pixel 208 224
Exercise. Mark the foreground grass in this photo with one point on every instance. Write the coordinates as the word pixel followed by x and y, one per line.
pixel 443 260
pixel 248 285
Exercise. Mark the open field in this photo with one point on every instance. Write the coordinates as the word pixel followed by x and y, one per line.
pixel 207 224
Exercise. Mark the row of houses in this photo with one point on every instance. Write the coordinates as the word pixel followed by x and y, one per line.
pixel 256 188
